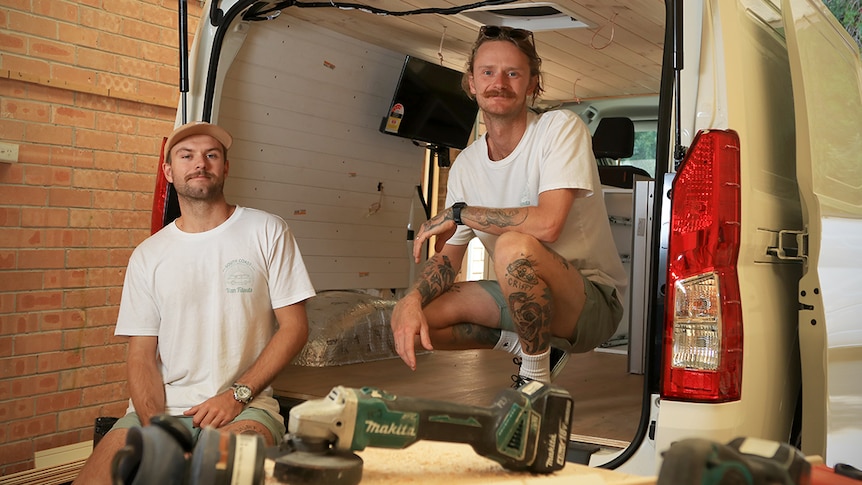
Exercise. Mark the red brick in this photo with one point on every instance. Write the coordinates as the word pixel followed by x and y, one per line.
pixel 130 219
pixel 41 258
pixel 32 24
pixel 7 304
pixel 65 238
pixel 110 238
pixel 74 34
pixel 163 93
pixel 13 131
pixel 115 391
pixel 38 343
pixel 155 128
pixel 7 345
pixel 163 17
pixel 59 197
pixel 31 427
pixel 80 377
pixel 116 372
pixel 138 144
pixel 105 276
pixel 44 217
pixel 26 65
pixel 21 281
pixel 19 323
pixel 85 258
pixel 95 179
pixel 66 319
pixel 31 385
pixel 116 123
pixel 76 418
pixel 36 154
pixel 13 468
pixel 65 278
pixel 12 173
pixel 109 354
pixel 84 298
pixel 58 361
pixel 52 51
pixel 74 77
pixel 96 140
pixel 13 43
pixel 118 44
pixel 141 30
pixel 8 260
pixel 114 295
pixel 72 157
pixel 16 452
pixel 160 54
pixel 42 175
pixel 25 110
pixel 103 199
pixel 100 20
pixel 49 134
pixel 22 195
pixel 90 218
pixel 103 317
pixel 36 92
pixel 124 8
pixel 120 257
pixel 96 102
pixel 55 9
pixel 51 403
pixel 17 366
pixel 10 216
pixel 148 111
pixel 114 162
pixel 64 115
pixel 39 301
pixel 98 60
pixel 59 439
pixel 85 337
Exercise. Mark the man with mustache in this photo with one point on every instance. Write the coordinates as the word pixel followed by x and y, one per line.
pixel 213 305
pixel 529 190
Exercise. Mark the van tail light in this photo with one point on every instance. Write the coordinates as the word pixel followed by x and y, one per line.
pixel 703 321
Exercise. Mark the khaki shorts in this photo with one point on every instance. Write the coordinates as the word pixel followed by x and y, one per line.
pixel 274 426
pixel 598 321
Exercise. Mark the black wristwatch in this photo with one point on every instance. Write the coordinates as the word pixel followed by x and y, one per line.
pixel 242 393
pixel 456 212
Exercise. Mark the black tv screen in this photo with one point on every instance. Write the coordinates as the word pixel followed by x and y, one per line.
pixel 430 106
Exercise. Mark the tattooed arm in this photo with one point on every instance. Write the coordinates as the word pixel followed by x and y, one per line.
pixel 408 319
pixel 544 221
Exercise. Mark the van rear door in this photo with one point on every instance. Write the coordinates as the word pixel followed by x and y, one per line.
pixel 827 90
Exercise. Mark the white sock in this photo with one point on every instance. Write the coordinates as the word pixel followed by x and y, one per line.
pixel 537 367
pixel 509 342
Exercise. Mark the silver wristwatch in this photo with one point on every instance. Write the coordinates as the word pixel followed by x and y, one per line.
pixel 242 393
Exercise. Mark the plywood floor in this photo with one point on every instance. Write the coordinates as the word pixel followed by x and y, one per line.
pixel 607 398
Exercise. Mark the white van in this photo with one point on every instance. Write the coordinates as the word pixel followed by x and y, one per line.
pixel 744 312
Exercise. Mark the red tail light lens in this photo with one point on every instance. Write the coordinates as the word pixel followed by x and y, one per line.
pixel 703 321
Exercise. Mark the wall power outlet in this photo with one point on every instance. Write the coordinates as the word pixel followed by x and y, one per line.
pixel 8 152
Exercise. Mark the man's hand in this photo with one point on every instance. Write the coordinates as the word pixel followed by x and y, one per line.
pixel 408 321
pixel 216 411
pixel 442 225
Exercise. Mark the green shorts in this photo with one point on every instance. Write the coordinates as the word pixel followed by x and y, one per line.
pixel 250 414
pixel 598 321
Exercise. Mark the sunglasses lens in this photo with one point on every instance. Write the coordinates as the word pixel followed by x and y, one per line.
pixel 495 32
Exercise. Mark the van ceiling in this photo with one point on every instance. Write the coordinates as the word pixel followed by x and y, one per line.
pixel 619 56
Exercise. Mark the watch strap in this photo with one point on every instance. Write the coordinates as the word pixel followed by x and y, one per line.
pixel 456 212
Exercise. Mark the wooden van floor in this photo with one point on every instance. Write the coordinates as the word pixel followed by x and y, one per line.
pixel 607 398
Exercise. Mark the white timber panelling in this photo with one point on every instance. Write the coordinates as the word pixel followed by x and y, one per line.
pixel 304 105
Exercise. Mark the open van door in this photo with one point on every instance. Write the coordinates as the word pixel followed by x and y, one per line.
pixel 827 90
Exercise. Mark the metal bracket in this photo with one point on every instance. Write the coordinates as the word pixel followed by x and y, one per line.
pixel 797 251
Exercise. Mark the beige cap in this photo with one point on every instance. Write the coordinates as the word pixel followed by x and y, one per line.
pixel 198 128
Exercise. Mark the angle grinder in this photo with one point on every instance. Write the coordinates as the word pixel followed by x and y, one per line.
pixel 524 429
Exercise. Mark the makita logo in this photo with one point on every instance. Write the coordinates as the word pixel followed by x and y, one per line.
pixel 389 428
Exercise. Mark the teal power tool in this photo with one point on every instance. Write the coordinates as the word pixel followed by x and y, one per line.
pixel 743 461
pixel 524 429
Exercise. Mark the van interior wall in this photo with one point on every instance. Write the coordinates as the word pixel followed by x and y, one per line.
pixel 304 105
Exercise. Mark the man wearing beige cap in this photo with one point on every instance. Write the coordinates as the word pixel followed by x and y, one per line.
pixel 213 305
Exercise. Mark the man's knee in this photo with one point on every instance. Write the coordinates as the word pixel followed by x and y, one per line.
pixel 513 245
pixel 251 426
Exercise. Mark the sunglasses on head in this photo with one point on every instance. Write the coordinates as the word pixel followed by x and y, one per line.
pixel 506 33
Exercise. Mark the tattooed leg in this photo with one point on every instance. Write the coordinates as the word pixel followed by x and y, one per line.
pixel 531 306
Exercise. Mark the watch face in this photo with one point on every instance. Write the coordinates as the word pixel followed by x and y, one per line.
pixel 242 393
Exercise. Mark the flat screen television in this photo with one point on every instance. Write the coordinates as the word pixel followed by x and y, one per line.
pixel 430 106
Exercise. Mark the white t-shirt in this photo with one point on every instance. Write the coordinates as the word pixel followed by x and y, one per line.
pixel 209 298
pixel 555 152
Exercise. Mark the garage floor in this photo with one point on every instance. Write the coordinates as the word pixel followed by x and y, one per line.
pixel 607 398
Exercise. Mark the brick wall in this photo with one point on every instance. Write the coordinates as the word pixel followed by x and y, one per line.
pixel 87 91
